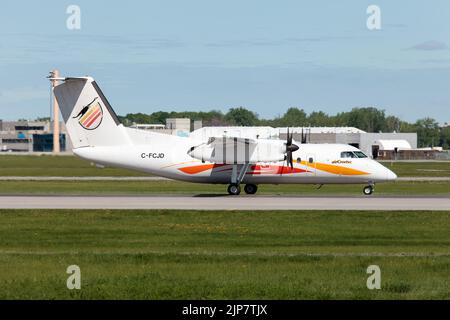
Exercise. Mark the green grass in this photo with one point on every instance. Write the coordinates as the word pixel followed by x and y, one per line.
pixel 166 254
pixel 51 165
pixel 419 169
pixel 177 187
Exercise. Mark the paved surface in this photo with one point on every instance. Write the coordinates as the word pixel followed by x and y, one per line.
pixel 423 179
pixel 213 202
pixel 100 178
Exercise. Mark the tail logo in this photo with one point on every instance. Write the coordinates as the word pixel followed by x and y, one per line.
pixel 91 115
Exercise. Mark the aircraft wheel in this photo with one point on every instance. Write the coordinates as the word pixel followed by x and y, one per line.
pixel 234 189
pixel 250 188
pixel 368 190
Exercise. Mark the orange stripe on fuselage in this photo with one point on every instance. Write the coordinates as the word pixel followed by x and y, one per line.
pixel 331 168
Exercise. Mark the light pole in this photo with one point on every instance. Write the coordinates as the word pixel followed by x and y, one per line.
pixel 56 147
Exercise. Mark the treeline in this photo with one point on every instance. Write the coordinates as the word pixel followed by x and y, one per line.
pixel 368 119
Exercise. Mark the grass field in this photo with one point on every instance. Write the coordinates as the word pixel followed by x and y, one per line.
pixel 224 255
pixel 49 165
pixel 419 169
pixel 441 188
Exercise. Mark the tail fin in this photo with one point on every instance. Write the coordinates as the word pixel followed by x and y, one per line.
pixel 89 118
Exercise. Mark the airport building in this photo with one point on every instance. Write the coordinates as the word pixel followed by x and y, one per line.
pixel 30 136
pixel 176 126
pixel 374 144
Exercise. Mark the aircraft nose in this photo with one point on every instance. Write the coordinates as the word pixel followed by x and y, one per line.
pixel 390 175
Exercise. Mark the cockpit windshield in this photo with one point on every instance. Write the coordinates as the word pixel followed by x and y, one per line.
pixel 353 154
pixel 348 154
pixel 360 154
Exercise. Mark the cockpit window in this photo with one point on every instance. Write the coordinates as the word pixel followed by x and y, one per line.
pixel 353 154
pixel 360 154
pixel 348 154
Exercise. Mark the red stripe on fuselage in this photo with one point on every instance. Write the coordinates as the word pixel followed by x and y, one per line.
pixel 257 170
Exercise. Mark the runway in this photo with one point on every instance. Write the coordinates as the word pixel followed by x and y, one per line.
pixel 212 202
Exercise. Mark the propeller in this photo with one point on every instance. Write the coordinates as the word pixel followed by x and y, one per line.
pixel 290 148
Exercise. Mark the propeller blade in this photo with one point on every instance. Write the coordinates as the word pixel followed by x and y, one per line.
pixel 289 138
pixel 290 162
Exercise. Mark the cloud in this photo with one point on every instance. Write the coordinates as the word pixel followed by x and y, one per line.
pixel 430 45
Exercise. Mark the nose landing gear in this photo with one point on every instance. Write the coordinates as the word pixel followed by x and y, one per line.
pixel 368 190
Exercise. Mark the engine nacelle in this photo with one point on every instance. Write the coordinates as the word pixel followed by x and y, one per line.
pixel 239 151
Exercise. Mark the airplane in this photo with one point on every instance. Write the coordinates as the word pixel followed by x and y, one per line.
pixel 98 136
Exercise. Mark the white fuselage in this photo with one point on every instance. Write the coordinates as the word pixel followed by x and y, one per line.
pixel 167 156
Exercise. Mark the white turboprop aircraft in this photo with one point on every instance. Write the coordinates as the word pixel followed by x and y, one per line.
pixel 98 136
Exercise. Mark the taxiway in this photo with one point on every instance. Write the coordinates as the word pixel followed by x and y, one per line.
pixel 219 202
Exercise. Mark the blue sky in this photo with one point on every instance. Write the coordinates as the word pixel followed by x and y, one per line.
pixel 202 55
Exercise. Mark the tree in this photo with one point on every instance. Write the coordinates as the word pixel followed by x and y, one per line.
pixel 159 117
pixel 241 117
pixel 427 132
pixel 43 119
pixel 392 124
pixel 319 119
pixel 293 117
pixel 367 119
pixel 444 140
pixel 407 127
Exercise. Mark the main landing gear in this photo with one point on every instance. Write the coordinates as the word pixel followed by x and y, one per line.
pixel 250 188
pixel 234 188
pixel 368 190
